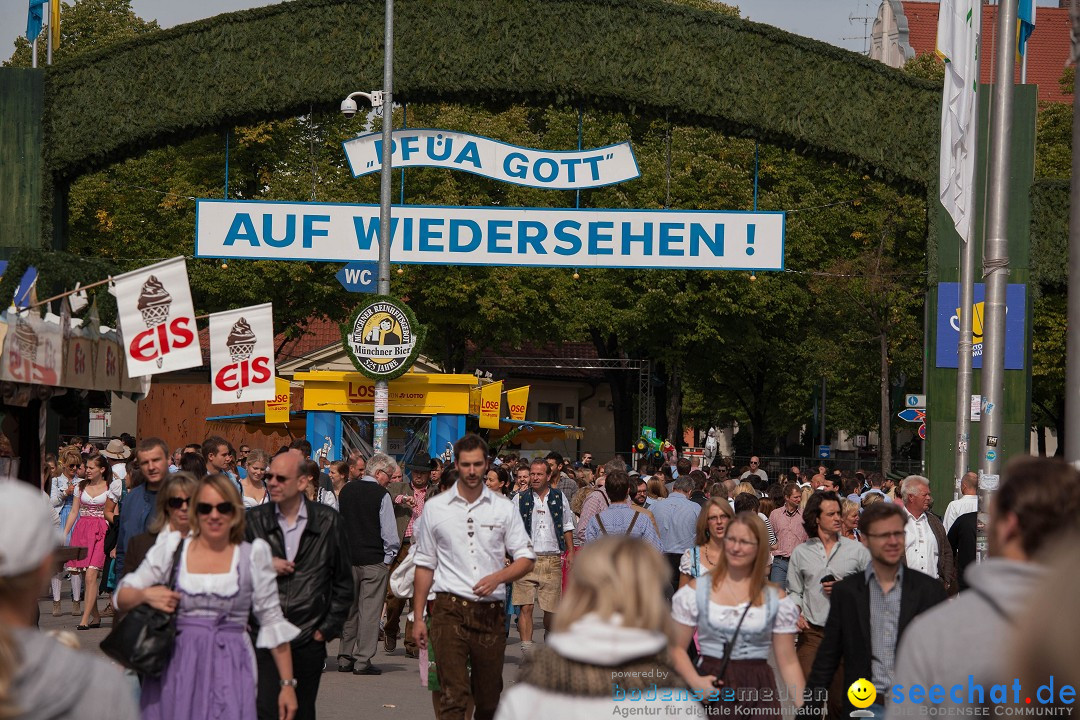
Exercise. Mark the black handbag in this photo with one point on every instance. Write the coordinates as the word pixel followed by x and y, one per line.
pixel 142 640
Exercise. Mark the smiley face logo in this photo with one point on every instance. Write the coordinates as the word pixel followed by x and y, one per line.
pixel 862 693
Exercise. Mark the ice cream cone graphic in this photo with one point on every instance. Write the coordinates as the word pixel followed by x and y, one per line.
pixel 27 341
pixel 241 343
pixel 154 303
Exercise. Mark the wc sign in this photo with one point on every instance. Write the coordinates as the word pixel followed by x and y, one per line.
pixel 359 277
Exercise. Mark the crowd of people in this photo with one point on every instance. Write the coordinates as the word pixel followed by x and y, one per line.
pixel 674 585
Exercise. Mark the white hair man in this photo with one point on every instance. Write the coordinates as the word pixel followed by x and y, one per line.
pixel 928 549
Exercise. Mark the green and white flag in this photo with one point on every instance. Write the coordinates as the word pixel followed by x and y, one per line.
pixel 959 25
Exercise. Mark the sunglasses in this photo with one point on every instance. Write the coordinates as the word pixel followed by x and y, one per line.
pixel 225 508
pixel 72 466
pixel 178 502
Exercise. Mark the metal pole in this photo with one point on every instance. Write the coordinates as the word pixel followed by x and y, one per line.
pixel 963 363
pixel 996 268
pixel 1023 69
pixel 1072 339
pixel 823 440
pixel 33 53
pixel 382 387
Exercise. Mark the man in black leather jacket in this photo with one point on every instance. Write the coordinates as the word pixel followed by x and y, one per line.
pixel 315 586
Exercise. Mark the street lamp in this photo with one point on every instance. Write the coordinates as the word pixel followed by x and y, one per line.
pixel 385 100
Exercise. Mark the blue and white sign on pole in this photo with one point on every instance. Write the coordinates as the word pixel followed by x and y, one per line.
pixel 824 452
pixel 359 277
pixel 499 236
pixel 551 169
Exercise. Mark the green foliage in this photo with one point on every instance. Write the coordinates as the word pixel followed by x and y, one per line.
pixel 646 57
pixel 927 66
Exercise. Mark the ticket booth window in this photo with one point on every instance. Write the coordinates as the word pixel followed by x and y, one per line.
pixel 406 435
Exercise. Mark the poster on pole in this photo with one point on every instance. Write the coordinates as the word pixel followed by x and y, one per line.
pixel 491 405
pixel 948 325
pixel 242 355
pixel 157 318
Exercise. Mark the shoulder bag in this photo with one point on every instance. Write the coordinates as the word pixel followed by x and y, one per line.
pixel 142 640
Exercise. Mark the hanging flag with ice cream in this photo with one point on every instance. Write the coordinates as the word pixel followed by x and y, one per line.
pixel 157 318
pixel 242 355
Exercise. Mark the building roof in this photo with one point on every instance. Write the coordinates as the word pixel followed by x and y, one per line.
pixel 1048 47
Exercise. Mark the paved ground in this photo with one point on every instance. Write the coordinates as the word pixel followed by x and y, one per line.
pixel 396 693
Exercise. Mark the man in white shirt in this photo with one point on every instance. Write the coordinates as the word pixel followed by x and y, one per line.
pixel 465 535
pixel 967 502
pixel 927 549
pixel 549 521
pixel 755 469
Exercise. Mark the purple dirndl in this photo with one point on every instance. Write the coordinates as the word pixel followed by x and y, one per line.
pixel 212 671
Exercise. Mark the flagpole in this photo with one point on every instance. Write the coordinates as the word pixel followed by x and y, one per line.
pixel 996 268
pixel 381 410
pixel 33 53
pixel 1023 68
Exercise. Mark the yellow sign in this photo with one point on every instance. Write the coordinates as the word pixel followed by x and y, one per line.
pixel 977 311
pixel 277 410
pixel 491 405
pixel 517 401
pixel 474 401
pixel 410 394
pixel 862 693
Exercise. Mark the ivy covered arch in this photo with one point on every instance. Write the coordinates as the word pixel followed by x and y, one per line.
pixel 644 56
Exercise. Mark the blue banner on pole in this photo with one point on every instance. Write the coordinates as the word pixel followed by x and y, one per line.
pixel 359 277
pixel 948 325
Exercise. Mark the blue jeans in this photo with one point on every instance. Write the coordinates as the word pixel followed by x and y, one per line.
pixel 778 574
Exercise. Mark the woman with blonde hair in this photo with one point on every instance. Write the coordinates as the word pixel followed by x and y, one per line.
pixel 610 634
pixel 712 522
pixel 739 617
pixel 87 526
pixel 62 493
pixel 220 580
pixel 744 487
pixel 258 460
pixel 849 519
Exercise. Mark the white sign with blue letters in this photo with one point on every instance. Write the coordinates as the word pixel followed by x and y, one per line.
pixel 435 235
pixel 551 169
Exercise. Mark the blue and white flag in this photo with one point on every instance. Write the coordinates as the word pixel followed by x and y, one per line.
pixel 1025 25
pixel 34 19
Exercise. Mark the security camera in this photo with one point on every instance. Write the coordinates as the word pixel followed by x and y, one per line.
pixel 348 107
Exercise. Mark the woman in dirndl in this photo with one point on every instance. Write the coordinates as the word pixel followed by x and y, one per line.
pixel 222 579
pixel 87 525
pixel 739 617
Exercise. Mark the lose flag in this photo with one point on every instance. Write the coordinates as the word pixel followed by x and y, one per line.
pixel 491 405
pixel 959 25
pixel 54 23
pixel 34 19
pixel 1025 25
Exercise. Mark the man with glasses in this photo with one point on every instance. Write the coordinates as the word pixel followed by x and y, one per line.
pixel 755 469
pixel 311 557
pixel 928 548
pixel 869 611
pixel 368 513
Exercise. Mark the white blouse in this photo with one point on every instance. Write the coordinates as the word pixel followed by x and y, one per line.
pixel 684 610
pixel 155 569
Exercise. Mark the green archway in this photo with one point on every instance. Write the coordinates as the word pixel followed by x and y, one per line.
pixel 645 56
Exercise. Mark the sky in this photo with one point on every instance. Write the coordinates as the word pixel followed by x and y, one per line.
pixel 845 23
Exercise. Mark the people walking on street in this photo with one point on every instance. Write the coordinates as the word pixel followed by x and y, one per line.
pixel 549 522
pixel 466 534
pixel 928 548
pixel 368 513
pixel 967 502
pixel 677 516
pixel 739 617
pixel 310 555
pixel 253 483
pixel 787 525
pixel 709 532
pixel 63 489
pixel 87 527
pixel 621 517
pixel 221 581
pixel 869 611
pixel 173 509
pixel 610 637
pixel 815 567
pixel 137 509
pixel 408 498
pixel 1033 510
